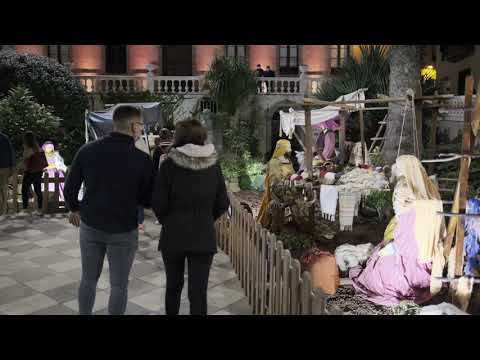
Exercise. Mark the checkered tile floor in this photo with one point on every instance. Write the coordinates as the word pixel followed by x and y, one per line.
pixel 40 270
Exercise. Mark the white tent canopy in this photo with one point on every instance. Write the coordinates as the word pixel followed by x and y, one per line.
pixel 292 118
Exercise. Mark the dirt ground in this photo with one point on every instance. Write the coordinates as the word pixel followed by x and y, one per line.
pixel 328 238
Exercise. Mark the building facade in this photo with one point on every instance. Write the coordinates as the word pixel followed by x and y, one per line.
pixel 179 69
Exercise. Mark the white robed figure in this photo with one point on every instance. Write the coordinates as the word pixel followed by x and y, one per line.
pixel 56 165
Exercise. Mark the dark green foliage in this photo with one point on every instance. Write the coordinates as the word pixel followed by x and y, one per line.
pixel 230 82
pixel 19 112
pixel 370 71
pixel 52 85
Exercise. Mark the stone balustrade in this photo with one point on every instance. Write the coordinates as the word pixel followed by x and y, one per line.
pixel 193 85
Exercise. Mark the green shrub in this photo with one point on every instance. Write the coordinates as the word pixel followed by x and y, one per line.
pixel 379 200
pixel 19 112
pixel 244 169
pixel 52 85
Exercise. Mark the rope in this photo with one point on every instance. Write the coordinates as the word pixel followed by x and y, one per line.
pixel 401 131
pixel 409 103
pixel 416 146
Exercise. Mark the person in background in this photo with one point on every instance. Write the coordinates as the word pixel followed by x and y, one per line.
pixel 162 146
pixel 7 169
pixel 143 146
pixel 269 72
pixel 107 213
pixel 34 161
pixel 189 196
pixel 259 71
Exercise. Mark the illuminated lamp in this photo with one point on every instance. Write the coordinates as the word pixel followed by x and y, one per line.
pixel 429 73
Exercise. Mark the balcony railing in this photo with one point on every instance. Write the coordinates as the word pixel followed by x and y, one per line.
pixel 193 85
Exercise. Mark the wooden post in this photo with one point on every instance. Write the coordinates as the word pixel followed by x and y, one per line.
pixel 15 191
pixel 46 192
pixel 308 140
pixel 342 137
pixel 362 134
pixel 433 138
pixel 418 116
pixel 463 176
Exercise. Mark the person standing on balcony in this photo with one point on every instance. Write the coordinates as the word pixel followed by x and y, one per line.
pixel 34 161
pixel 269 73
pixel 259 73
pixel 107 213
pixel 7 169
pixel 189 196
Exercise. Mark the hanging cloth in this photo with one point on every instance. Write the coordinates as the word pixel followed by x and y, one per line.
pixel 328 201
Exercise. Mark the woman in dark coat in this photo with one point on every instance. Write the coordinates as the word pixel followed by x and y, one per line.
pixel 189 196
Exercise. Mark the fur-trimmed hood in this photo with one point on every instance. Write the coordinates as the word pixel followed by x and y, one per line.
pixel 194 157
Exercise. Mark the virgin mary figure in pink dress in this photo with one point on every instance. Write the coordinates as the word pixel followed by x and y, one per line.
pixel 55 166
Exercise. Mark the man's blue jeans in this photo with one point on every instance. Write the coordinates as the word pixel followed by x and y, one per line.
pixel 120 250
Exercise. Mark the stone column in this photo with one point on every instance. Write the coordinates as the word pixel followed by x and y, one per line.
pixel 203 56
pixel 31 49
pixel 316 58
pixel 265 55
pixel 88 59
pixel 139 56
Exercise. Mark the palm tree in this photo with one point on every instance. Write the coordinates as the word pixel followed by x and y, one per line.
pixel 404 74
pixel 370 71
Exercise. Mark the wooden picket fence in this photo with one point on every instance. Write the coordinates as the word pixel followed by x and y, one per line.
pixel 51 202
pixel 271 278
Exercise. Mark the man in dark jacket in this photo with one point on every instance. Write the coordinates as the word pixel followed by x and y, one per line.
pixel 118 178
pixel 7 166
pixel 189 196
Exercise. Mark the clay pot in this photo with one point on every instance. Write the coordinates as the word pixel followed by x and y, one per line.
pixel 324 271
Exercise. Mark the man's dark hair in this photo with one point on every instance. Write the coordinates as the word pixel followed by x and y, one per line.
pixel 189 131
pixel 258 65
pixel 122 116
pixel 268 67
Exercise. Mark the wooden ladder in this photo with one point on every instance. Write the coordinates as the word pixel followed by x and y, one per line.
pixel 377 136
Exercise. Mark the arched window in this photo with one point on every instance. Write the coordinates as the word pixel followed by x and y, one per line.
pixel 238 51
pixel 289 55
pixel 59 53
pixel 338 55
pixel 115 59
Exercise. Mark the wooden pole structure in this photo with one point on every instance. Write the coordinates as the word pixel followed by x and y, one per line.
pixel 463 176
pixel 308 139
pixel 313 101
pixel 433 138
pixel 362 135
pixel 418 117
pixel 342 136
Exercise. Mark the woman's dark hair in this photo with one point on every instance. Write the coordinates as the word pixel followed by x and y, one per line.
pixel 189 131
pixel 30 140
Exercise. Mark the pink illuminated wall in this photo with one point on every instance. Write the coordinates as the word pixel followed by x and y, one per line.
pixel 87 58
pixel 264 55
pixel 316 57
pixel 31 49
pixel 140 56
pixel 203 56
